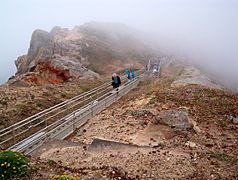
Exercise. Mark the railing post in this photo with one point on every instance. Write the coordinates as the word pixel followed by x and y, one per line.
pixel 46 123
pixel 105 103
pixel 84 97
pixel 92 110
pixel 74 122
pixel 14 135
pixel 92 106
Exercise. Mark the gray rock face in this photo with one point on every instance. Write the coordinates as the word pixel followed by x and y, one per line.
pixel 41 48
pixel 85 51
pixel 21 64
pixel 40 41
pixel 75 68
pixel 59 48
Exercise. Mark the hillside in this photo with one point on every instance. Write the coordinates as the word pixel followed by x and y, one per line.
pixel 63 63
pixel 180 125
pixel 21 100
pixel 157 131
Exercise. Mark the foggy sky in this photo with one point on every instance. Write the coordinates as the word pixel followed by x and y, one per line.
pixel 205 31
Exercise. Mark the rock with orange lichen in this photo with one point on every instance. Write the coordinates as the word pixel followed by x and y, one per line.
pixel 85 52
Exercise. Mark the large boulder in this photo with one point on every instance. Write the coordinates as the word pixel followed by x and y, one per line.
pixel 175 119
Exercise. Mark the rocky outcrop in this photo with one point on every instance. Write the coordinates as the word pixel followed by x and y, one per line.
pixel 191 75
pixel 84 52
pixel 52 58
pixel 21 64
pixel 41 48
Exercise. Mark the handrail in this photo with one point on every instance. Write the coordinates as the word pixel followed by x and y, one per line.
pixel 64 126
pixel 55 106
pixel 74 102
pixel 64 103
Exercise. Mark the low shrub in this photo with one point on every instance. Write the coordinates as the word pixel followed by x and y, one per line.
pixel 12 164
pixel 63 177
pixel 220 156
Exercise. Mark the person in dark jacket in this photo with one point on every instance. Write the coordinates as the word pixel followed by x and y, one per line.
pixel 116 81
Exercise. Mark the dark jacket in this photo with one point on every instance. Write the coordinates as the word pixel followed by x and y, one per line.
pixel 116 81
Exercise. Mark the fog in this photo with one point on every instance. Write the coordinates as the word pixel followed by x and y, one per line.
pixel 203 31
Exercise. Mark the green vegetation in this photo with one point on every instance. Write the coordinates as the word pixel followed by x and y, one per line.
pixel 3 102
pixel 93 67
pixel 13 164
pixel 63 177
pixel 51 163
pixel 39 103
pixel 46 94
pixel 235 175
pixel 140 112
pixel 196 99
pixel 63 95
pixel 87 85
pixel 24 109
pixel 84 88
pixel 153 100
pixel 220 156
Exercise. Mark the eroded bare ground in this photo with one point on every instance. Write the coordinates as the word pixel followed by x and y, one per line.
pixel 169 132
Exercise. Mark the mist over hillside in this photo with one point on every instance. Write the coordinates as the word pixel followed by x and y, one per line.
pixel 87 51
pixel 204 32
pixel 169 112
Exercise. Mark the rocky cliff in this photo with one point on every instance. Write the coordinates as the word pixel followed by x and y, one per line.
pixel 86 51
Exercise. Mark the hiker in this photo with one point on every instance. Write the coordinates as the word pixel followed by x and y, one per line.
pixel 132 74
pixel 127 73
pixel 116 81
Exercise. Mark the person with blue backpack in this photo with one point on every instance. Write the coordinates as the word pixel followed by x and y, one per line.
pixel 127 72
pixel 130 73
